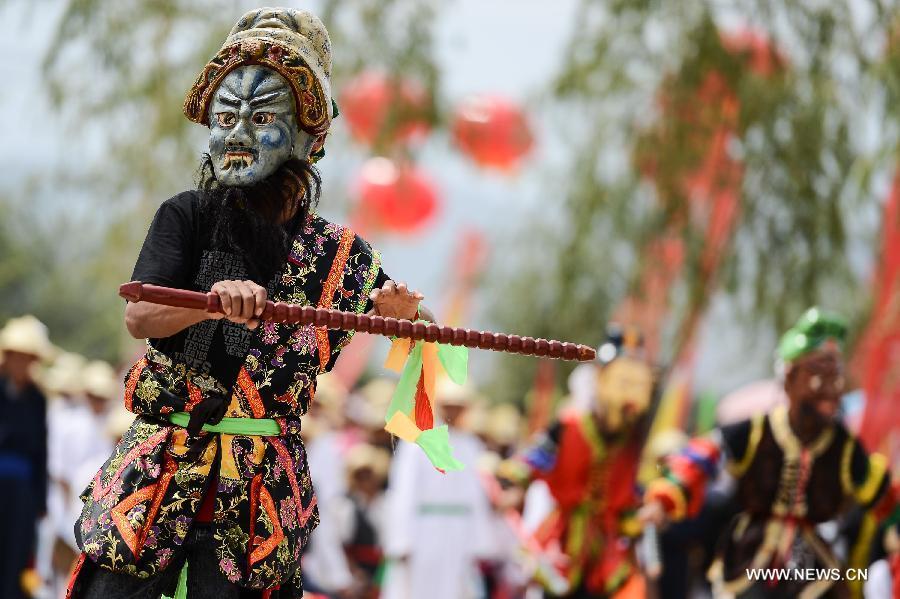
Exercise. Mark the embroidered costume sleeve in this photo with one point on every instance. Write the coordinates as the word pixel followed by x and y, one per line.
pixel 866 479
pixel 541 456
pixel 140 505
pixel 682 486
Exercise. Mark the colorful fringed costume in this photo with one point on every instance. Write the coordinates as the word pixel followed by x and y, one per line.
pixel 590 463
pixel 593 481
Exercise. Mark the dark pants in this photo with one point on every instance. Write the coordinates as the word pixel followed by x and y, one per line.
pixel 205 580
pixel 18 532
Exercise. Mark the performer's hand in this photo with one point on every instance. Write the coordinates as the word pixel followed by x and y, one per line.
pixel 242 301
pixel 396 300
pixel 652 513
pixel 892 540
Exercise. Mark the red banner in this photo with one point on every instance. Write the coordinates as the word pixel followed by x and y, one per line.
pixel 877 360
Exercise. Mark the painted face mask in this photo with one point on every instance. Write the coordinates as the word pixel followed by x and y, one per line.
pixel 624 389
pixel 253 126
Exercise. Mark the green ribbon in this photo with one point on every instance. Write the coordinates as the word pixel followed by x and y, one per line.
pixel 453 358
pixel 181 589
pixel 404 395
pixel 435 442
pixel 259 427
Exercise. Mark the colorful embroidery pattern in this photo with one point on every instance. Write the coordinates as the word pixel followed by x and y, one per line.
pixel 139 507
pixel 326 299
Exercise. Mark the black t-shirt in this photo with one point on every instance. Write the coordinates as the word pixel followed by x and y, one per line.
pixel 177 253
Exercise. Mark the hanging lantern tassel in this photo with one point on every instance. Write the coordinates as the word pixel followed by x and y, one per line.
pixel 410 415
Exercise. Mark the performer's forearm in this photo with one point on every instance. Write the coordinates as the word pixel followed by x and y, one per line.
pixel 145 320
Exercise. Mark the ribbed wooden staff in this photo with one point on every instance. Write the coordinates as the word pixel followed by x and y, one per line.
pixel 136 291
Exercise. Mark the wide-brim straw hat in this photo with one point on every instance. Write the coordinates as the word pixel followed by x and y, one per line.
pixel 294 43
pixel 118 421
pixel 368 456
pixel 100 380
pixel 369 405
pixel 27 335
pixel 450 394
pixel 504 424
pixel 64 375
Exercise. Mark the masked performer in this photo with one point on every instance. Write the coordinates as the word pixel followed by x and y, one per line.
pixel 795 468
pixel 208 494
pixel 590 463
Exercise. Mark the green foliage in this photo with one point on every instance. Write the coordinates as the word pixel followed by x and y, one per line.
pixel 803 135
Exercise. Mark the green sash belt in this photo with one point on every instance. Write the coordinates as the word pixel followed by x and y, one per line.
pixel 262 427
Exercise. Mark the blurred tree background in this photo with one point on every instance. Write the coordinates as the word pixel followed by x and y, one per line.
pixel 705 149
pixel 717 148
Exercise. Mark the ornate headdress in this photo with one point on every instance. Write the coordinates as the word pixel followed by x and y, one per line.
pixel 292 42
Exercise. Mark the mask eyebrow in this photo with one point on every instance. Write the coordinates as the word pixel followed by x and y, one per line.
pixel 268 98
pixel 229 100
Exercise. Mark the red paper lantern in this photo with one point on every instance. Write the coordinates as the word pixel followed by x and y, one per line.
pixel 366 103
pixel 395 197
pixel 762 57
pixel 492 131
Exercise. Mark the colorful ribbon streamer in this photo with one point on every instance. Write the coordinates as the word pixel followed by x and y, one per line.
pixel 410 415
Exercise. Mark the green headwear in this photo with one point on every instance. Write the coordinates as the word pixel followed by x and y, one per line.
pixel 811 332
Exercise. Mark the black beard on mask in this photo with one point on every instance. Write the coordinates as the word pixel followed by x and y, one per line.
pixel 246 220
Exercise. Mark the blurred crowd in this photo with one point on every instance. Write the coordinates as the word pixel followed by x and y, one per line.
pixel 390 525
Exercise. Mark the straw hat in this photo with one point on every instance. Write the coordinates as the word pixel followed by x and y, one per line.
pixel 292 42
pixel 504 424
pixel 369 405
pixel 100 380
pixel 450 394
pixel 118 421
pixel 475 419
pixel 368 456
pixel 27 335
pixel 63 377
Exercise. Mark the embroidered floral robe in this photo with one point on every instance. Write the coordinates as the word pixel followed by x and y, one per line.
pixel 140 505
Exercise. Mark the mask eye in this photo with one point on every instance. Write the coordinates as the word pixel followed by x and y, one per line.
pixel 226 119
pixel 263 118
